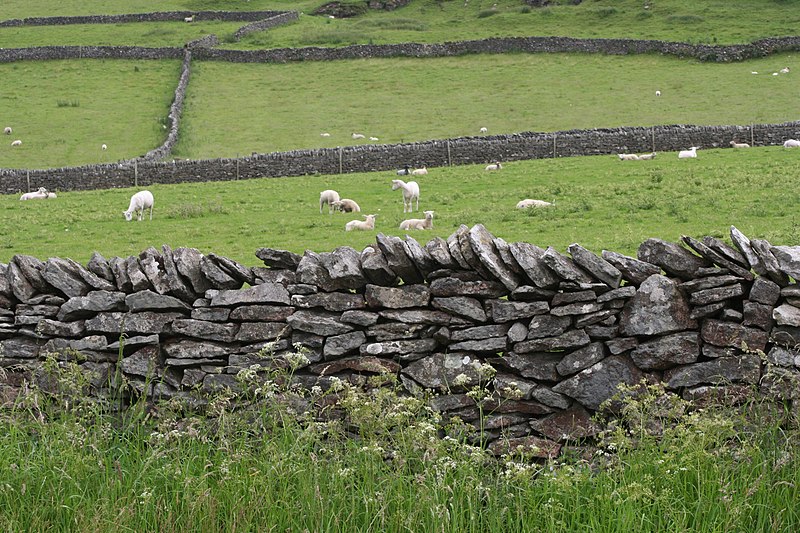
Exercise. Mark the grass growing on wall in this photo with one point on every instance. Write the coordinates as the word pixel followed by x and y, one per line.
pixel 601 203
pixel 63 111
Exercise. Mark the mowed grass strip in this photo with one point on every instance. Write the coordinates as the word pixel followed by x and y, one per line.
pixel 601 203
pixel 235 109
pixel 63 111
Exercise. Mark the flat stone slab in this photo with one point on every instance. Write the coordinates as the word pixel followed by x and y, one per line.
pixel 265 293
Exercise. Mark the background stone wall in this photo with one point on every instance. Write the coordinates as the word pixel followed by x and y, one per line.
pixel 560 332
pixel 161 16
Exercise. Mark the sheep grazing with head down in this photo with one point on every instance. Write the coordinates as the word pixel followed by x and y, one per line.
pixel 139 202
pixel 734 144
pixel 7 130
pixel 791 143
pixel 346 205
pixel 528 203
pixel 494 166
pixel 364 225
pixel 688 154
pixel 418 223
pixel 484 130
pixel 410 193
pixel 16 143
pixel 327 197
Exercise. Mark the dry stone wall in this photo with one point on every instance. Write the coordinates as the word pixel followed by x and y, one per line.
pixel 562 331
pixel 160 16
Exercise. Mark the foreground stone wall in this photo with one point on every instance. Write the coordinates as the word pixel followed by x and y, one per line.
pixel 160 16
pixel 709 320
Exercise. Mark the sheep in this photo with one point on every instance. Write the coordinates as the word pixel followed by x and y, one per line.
pixel 104 147
pixel 18 142
pixel 404 171
pixel 526 203
pixel 422 171
pixel 7 130
pixel 784 70
pixel 324 134
pixel 484 130
pixel 734 144
pixel 418 223
pixel 364 225
pixel 494 166
pixel 628 157
pixel 645 157
pixel 791 143
pixel 357 135
pixel 139 202
pixel 39 194
pixel 346 205
pixel 189 19
pixel 687 154
pixel 328 197
pixel 374 139
pixel 410 192
pixel 658 93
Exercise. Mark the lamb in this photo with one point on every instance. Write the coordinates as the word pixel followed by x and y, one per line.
pixel 357 135
pixel 40 194
pixel 346 205
pixel 526 203
pixel 628 157
pixel 7 130
pixel 404 171
pixel 139 202
pixel 410 192
pixel 328 197
pixel 419 171
pixel 494 166
pixel 791 143
pixel 734 144
pixel 18 142
pixel 418 223
pixel 645 157
pixel 687 154
pixel 364 225
pixel 484 130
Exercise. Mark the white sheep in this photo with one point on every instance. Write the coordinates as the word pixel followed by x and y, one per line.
pixel 784 70
pixel 104 147
pixel 7 130
pixel 374 139
pixel 189 19
pixel 365 225
pixel 687 154
pixel 405 171
pixel 39 194
pixel 484 130
pixel 324 134
pixel 527 203
pixel 658 93
pixel 645 157
pixel 628 157
pixel 734 144
pixel 418 223
pixel 791 143
pixel 328 197
pixel 18 142
pixel 346 205
pixel 410 193
pixel 139 202
pixel 494 166
pixel 422 171
pixel 357 135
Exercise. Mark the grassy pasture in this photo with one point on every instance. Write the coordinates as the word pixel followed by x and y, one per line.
pixel 601 203
pixel 17 9
pixel 64 110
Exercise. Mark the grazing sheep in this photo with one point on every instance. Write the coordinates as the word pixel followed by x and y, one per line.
pixel 734 144
pixel 527 203
pixel 139 202
pixel 7 130
pixel 39 194
pixel 410 192
pixel 404 171
pixel 645 157
pixel 365 225
pixel 688 154
pixel 189 19
pixel 628 157
pixel 494 166
pixel 16 143
pixel 791 143
pixel 104 146
pixel 328 197
pixel 324 134
pixel 357 136
pixel 418 223
pixel 658 93
pixel 346 205
pixel 422 171
pixel 484 130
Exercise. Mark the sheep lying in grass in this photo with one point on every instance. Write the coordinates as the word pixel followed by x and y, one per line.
pixel 327 197
pixel 646 157
pixel 324 134
pixel 405 171
pixel 688 154
pixel 16 143
pixel 494 166
pixel 357 135
pixel 410 193
pixel 139 202
pixel 422 171
pixel 189 19
pixel 628 157
pixel 527 203
pixel 791 143
pixel 40 194
pixel 346 205
pixel 418 223
pixel 734 144
pixel 364 225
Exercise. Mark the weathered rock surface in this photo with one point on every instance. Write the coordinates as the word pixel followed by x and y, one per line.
pixel 658 307
pixel 598 383
pixel 667 351
pixel 632 270
pixel 674 259
pixel 745 368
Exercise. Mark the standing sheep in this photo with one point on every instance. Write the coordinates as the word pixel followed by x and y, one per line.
pixel 688 154
pixel 365 225
pixel 418 223
pixel 328 197
pixel 139 202
pixel 791 143
pixel 16 143
pixel 410 193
